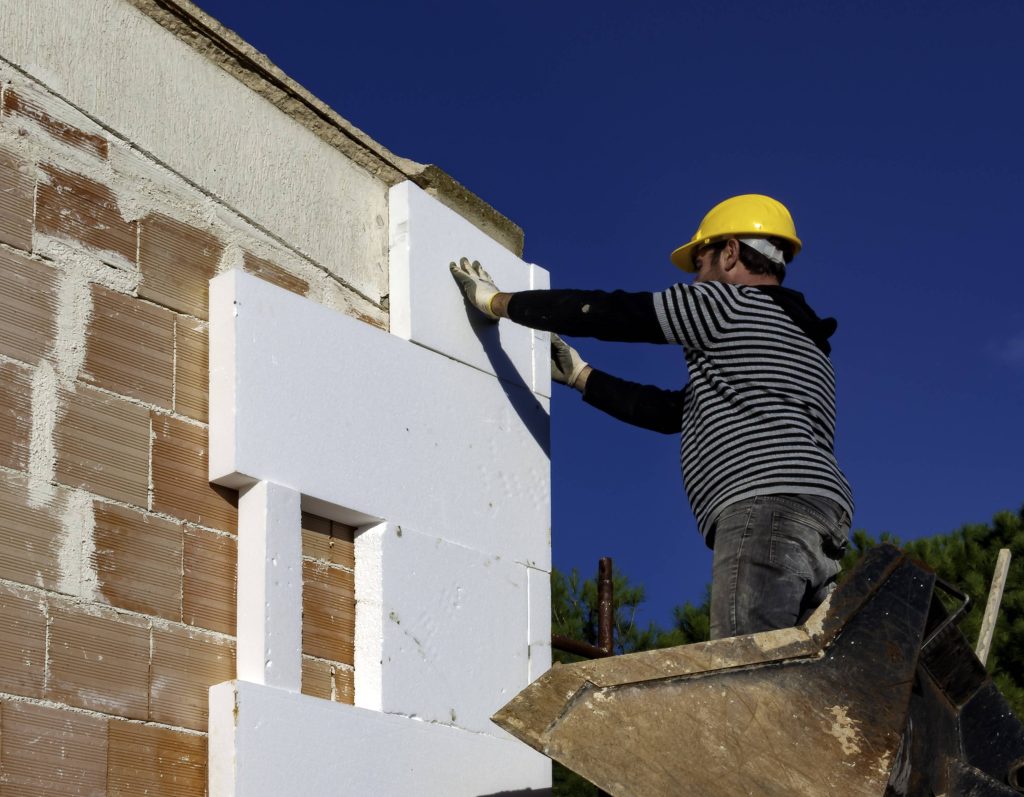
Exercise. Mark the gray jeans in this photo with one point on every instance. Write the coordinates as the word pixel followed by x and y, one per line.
pixel 776 558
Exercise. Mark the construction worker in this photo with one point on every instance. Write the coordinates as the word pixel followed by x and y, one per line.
pixel 758 414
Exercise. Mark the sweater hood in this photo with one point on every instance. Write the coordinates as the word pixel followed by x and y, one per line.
pixel 819 330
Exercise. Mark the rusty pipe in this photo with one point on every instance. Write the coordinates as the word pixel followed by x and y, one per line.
pixel 574 646
pixel 605 605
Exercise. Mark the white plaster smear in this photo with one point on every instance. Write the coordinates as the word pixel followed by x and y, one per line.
pixel 42 450
pixel 78 576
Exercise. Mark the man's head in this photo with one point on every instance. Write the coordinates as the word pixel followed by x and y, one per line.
pixel 746 261
pixel 752 233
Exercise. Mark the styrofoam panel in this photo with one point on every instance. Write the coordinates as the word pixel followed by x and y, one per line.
pixel 346 751
pixel 455 644
pixel 426 305
pixel 309 398
pixel 540 280
pixel 539 632
pixel 369 636
pixel 270 586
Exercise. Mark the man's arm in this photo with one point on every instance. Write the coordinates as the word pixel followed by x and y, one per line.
pixel 645 406
pixel 609 316
pixel 618 315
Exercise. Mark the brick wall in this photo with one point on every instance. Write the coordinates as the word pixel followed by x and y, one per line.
pixel 117 557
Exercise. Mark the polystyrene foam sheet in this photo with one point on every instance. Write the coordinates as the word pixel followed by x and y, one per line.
pixel 427 307
pixel 357 418
pixel 455 643
pixel 343 750
pixel 539 631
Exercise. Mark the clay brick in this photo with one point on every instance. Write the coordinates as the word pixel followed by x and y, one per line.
pixel 327 680
pixel 28 306
pixel 176 263
pixel 186 663
pixel 317 678
pixel 130 347
pixel 161 762
pixel 211 572
pixel 344 683
pixel 328 541
pixel 191 368
pixel 16 201
pixel 180 473
pixel 72 206
pixel 328 612
pixel 98 662
pixel 22 642
pixel 15 415
pixel 138 561
pixel 102 445
pixel 52 752
pixel 17 104
pixel 271 272
pixel 316 536
pixel 30 537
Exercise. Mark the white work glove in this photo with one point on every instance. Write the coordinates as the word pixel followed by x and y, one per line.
pixel 566 363
pixel 476 284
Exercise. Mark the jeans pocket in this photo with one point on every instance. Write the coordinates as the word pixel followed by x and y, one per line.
pixel 834 545
pixel 796 544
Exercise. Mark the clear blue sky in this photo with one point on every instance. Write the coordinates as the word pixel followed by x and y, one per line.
pixel 891 130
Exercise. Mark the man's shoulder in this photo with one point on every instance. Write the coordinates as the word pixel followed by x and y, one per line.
pixel 725 294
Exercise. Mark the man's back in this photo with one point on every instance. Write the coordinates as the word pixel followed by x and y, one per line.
pixel 759 409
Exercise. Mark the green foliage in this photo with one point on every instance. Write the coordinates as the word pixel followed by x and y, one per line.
pixel 966 558
pixel 574 614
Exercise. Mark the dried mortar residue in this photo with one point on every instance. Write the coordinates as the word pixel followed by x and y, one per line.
pixel 845 730
pixel 76 559
pixel 232 257
pixel 74 310
pixel 42 456
pixel 143 186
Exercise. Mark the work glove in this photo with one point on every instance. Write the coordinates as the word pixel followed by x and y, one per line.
pixel 476 284
pixel 566 363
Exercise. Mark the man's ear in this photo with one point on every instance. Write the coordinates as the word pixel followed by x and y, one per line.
pixel 730 256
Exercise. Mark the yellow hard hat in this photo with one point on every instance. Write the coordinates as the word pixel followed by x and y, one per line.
pixel 747 215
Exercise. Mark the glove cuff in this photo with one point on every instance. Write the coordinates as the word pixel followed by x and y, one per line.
pixel 489 308
pixel 575 375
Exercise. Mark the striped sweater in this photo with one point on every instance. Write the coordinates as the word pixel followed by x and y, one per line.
pixel 758 413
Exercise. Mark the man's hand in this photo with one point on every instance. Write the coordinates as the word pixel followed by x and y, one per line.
pixel 567 366
pixel 476 284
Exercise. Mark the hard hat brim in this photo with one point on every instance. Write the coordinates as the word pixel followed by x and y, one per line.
pixel 683 256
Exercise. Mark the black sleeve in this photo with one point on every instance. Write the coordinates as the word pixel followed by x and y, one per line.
pixel 646 406
pixel 622 316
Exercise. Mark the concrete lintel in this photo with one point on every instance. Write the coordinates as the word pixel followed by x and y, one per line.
pixel 253 69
